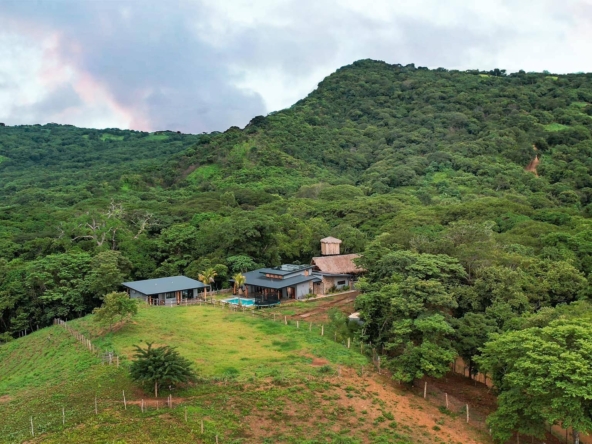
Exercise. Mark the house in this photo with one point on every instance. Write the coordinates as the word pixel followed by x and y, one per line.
pixel 335 270
pixel 164 291
pixel 287 281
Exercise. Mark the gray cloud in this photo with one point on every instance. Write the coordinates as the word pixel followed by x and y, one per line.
pixel 201 66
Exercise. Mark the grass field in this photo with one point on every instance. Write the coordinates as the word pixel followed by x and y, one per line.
pixel 261 381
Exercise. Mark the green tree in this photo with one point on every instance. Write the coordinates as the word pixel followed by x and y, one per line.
pixel 543 377
pixel 160 365
pixel 239 281
pixel 241 263
pixel 116 307
pixel 207 278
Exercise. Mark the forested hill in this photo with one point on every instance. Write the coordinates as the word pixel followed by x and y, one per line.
pixel 430 161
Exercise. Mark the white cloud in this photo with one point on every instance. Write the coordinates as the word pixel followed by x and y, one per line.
pixel 205 65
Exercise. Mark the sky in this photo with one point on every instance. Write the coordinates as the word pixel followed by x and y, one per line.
pixel 205 65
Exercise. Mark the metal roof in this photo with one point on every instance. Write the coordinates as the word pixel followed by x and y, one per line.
pixel 164 285
pixel 258 279
pixel 285 269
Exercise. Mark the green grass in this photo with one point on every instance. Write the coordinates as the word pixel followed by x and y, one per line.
pixel 153 136
pixel 205 172
pixel 107 136
pixel 555 127
pixel 257 385
pixel 220 342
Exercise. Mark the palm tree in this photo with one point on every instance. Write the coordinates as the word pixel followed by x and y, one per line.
pixel 239 281
pixel 207 278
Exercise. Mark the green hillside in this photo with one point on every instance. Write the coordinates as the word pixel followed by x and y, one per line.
pixel 468 194
pixel 257 384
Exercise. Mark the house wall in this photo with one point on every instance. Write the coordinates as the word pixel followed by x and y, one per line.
pixel 330 281
pixel 137 295
pixel 302 290
pixel 329 248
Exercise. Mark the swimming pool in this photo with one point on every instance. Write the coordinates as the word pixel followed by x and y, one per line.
pixel 243 301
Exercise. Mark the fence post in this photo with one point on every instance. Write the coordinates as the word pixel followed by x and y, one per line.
pixel 285 320
pixel 310 326
pixel 348 342
pixel 96 408
pixel 63 416
pixel 124 403
pixel 425 389
pixel 446 394
pixel 297 324
pixel 468 413
pixel 32 429
pixel 322 330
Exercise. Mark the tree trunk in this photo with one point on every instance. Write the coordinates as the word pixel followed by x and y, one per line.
pixel 155 389
pixel 576 437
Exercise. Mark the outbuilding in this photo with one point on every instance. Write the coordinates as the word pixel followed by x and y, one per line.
pixel 164 291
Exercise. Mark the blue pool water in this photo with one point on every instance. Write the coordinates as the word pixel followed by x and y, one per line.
pixel 243 301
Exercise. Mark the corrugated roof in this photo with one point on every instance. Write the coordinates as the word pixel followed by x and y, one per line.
pixel 284 269
pixel 164 285
pixel 331 240
pixel 258 279
pixel 338 264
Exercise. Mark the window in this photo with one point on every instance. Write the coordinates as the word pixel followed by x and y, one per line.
pixel 340 282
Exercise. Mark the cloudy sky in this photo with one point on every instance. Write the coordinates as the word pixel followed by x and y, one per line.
pixel 205 65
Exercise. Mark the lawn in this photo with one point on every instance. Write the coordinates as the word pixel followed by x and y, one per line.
pixel 260 381
pixel 221 343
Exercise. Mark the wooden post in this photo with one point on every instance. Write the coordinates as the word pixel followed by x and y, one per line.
pixel 142 406
pixel 185 414
pixel 468 417
pixel 310 326
pixel 361 348
pixel 425 389
pixel 124 402
pixel 96 408
pixel 202 426
pixel 446 394
pixel 32 429
pixel 322 330
pixel 63 416
pixel 170 401
pixel 285 320
pixel 348 342
pixel 297 324
pixel 274 317
pixel 216 439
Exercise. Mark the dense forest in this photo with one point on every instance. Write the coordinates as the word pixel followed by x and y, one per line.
pixel 469 194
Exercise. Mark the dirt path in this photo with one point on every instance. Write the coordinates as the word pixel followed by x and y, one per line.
pixel 320 311
pixel 532 166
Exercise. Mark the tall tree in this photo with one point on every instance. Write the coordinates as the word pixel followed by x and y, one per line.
pixel 543 377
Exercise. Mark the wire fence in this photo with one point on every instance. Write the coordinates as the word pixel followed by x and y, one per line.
pixel 64 417
pixel 104 411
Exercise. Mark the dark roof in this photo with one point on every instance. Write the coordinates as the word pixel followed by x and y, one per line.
pixel 164 285
pixel 285 269
pixel 256 278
